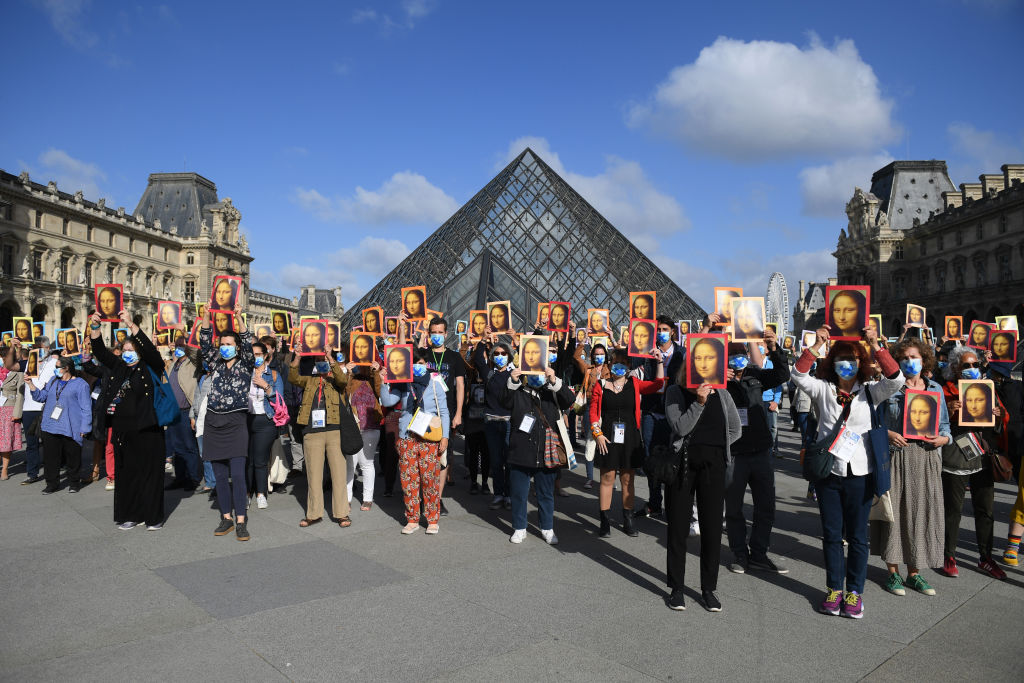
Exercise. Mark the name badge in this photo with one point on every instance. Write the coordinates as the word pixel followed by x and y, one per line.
pixel 527 424
pixel 619 433
pixel 95 394
pixel 845 445
pixel 743 416
pixel 318 418
pixel 55 415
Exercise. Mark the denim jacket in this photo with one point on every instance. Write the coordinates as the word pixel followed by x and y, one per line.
pixel 893 410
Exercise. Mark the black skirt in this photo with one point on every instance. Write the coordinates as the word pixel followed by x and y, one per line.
pixel 621 408
pixel 225 436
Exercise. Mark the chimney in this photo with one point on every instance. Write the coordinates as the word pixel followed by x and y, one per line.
pixel 1012 173
pixel 991 184
pixel 971 191
pixel 802 284
pixel 952 199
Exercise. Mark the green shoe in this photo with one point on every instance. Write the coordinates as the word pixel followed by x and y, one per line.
pixel 895 584
pixel 920 585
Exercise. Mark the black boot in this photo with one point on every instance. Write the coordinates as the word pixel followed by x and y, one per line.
pixel 606 525
pixel 627 523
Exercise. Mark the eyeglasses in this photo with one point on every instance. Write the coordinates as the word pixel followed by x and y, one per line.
pixel 970 365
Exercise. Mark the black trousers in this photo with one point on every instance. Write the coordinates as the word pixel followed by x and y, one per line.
pixel 982 499
pixel 57 447
pixel 705 480
pixel 478 458
pixel 262 433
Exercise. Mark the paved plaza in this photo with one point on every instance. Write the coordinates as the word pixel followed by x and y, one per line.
pixel 84 601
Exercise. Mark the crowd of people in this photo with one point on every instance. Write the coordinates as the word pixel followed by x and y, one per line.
pixel 890 446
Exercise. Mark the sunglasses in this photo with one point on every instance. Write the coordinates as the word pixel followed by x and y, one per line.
pixel 970 365
pixel 499 353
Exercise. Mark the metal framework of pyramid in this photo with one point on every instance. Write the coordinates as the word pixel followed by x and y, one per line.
pixel 527 237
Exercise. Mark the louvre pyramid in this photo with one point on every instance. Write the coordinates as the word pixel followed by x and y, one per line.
pixel 528 237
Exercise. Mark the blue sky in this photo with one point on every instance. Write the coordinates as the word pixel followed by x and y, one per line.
pixel 724 139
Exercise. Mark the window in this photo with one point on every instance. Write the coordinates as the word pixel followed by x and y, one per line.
pixel 1005 271
pixel 63 277
pixel 7 212
pixel 88 273
pixel 959 238
pixel 149 251
pixel 940 277
pixel 39 219
pixel 88 232
pixel 979 272
pixel 190 289
pixel 1002 224
pixel 8 260
pixel 924 247
pixel 899 283
pixel 110 240
pixel 37 265
pixel 110 274
pixel 190 259
pixel 64 227
pixel 922 281
pixel 897 252
pixel 958 273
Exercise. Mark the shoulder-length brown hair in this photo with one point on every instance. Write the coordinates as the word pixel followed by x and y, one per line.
pixel 827 371
pixel 927 355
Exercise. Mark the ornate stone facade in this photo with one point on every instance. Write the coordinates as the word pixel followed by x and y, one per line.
pixel 915 238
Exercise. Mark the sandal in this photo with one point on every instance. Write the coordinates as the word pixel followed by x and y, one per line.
pixel 410 528
pixel 366 507
pixel 310 522
pixel 344 522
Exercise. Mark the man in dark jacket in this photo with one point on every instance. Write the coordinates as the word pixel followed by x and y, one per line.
pixel 751 464
pixel 535 404
pixel 1011 394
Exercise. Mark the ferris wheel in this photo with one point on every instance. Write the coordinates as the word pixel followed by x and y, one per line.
pixel 777 303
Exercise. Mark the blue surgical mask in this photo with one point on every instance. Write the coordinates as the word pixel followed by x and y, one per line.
pixel 599 359
pixel 258 361
pixel 970 373
pixel 619 370
pixel 130 357
pixel 847 369
pixel 535 381
pixel 227 352
pixel 500 361
pixel 437 339
pixel 664 337
pixel 179 352
pixel 911 367
pixel 738 362
pixel 763 350
pixel 419 370
pixel 552 357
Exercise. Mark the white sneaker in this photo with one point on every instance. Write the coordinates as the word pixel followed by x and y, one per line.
pixel 549 536
pixel 695 529
pixel 155 527
pixel 518 536
pixel 126 526
pixel 169 467
pixel 261 501
pixel 109 486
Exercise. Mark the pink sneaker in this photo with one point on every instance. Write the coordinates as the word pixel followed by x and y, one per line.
pixel 853 605
pixel 832 604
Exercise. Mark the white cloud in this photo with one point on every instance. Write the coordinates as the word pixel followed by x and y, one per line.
pixel 982 151
pixel 622 193
pixel 70 174
pixel 406 197
pixel 410 12
pixel 826 189
pixel 66 18
pixel 416 9
pixel 759 100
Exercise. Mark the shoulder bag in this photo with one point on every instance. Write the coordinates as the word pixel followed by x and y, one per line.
pixel 818 459
pixel 665 462
pixel 434 431
pixel 351 437
pixel 164 404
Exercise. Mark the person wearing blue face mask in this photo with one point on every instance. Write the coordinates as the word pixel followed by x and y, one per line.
pixel 183 371
pixel 493 362
pixel 615 406
pixel 653 425
pixel 914 537
pixel 535 405
pixel 226 434
pixel 593 372
pixel 845 400
pixel 265 385
pixel 747 378
pixel 452 369
pixel 138 438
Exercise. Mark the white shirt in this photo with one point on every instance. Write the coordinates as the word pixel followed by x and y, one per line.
pixel 256 396
pixel 46 373
pixel 823 395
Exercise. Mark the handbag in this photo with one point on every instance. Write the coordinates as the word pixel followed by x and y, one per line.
pixel 881 509
pixel 351 437
pixel 164 404
pixel 665 462
pixel 434 431
pixel 1002 468
pixel 278 472
pixel 878 443
pixel 564 447
pixel 818 459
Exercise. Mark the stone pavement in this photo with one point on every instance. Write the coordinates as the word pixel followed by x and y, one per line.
pixel 84 601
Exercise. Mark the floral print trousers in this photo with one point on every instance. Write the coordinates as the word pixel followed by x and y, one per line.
pixel 419 466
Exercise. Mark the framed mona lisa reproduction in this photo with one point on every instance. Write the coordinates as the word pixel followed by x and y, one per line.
pixel 414 302
pixel 921 414
pixel 847 310
pixel 398 363
pixel 706 360
pixel 533 354
pixel 109 302
pixel 499 316
pixel 312 337
pixel 226 290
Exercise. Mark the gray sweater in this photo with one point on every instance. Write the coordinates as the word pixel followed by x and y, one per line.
pixel 682 423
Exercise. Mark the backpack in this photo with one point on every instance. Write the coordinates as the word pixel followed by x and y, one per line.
pixel 164 404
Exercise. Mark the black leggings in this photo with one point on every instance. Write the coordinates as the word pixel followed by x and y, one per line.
pixel 478 458
pixel 262 433
pixel 705 479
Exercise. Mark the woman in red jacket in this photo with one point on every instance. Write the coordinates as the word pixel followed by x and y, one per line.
pixel 615 423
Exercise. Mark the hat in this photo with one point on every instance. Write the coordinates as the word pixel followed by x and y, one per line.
pixel 1002 369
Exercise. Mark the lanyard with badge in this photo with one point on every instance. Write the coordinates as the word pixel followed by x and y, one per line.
pixel 58 409
pixel 318 417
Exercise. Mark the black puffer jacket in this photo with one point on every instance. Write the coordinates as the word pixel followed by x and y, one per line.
pixel 527 449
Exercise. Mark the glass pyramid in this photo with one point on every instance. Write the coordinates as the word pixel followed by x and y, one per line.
pixel 527 237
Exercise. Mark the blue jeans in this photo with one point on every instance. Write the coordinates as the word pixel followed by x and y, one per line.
pixel 773 427
pixel 32 459
pixel 209 480
pixel 655 431
pixel 497 433
pixel 845 502
pixel 181 443
pixel 519 482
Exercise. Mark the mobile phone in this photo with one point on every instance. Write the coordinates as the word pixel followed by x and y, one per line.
pixel 321 367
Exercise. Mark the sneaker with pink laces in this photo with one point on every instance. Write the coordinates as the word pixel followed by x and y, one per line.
pixel 989 566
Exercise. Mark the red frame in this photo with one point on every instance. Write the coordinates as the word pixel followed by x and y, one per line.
pixel 373 348
pixel 863 289
pixel 568 316
pixel 423 290
pixel 237 292
pixel 937 397
pixel 159 307
pixel 96 301
pixel 193 336
pixel 691 341
pixel 970 335
pixel 1016 340
pixel 945 325
pixel 654 305
pixel 386 372
pixel 302 335
pixel 633 322
pixel 607 324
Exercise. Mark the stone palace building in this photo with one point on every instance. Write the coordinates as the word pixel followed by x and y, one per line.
pixel 54 246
